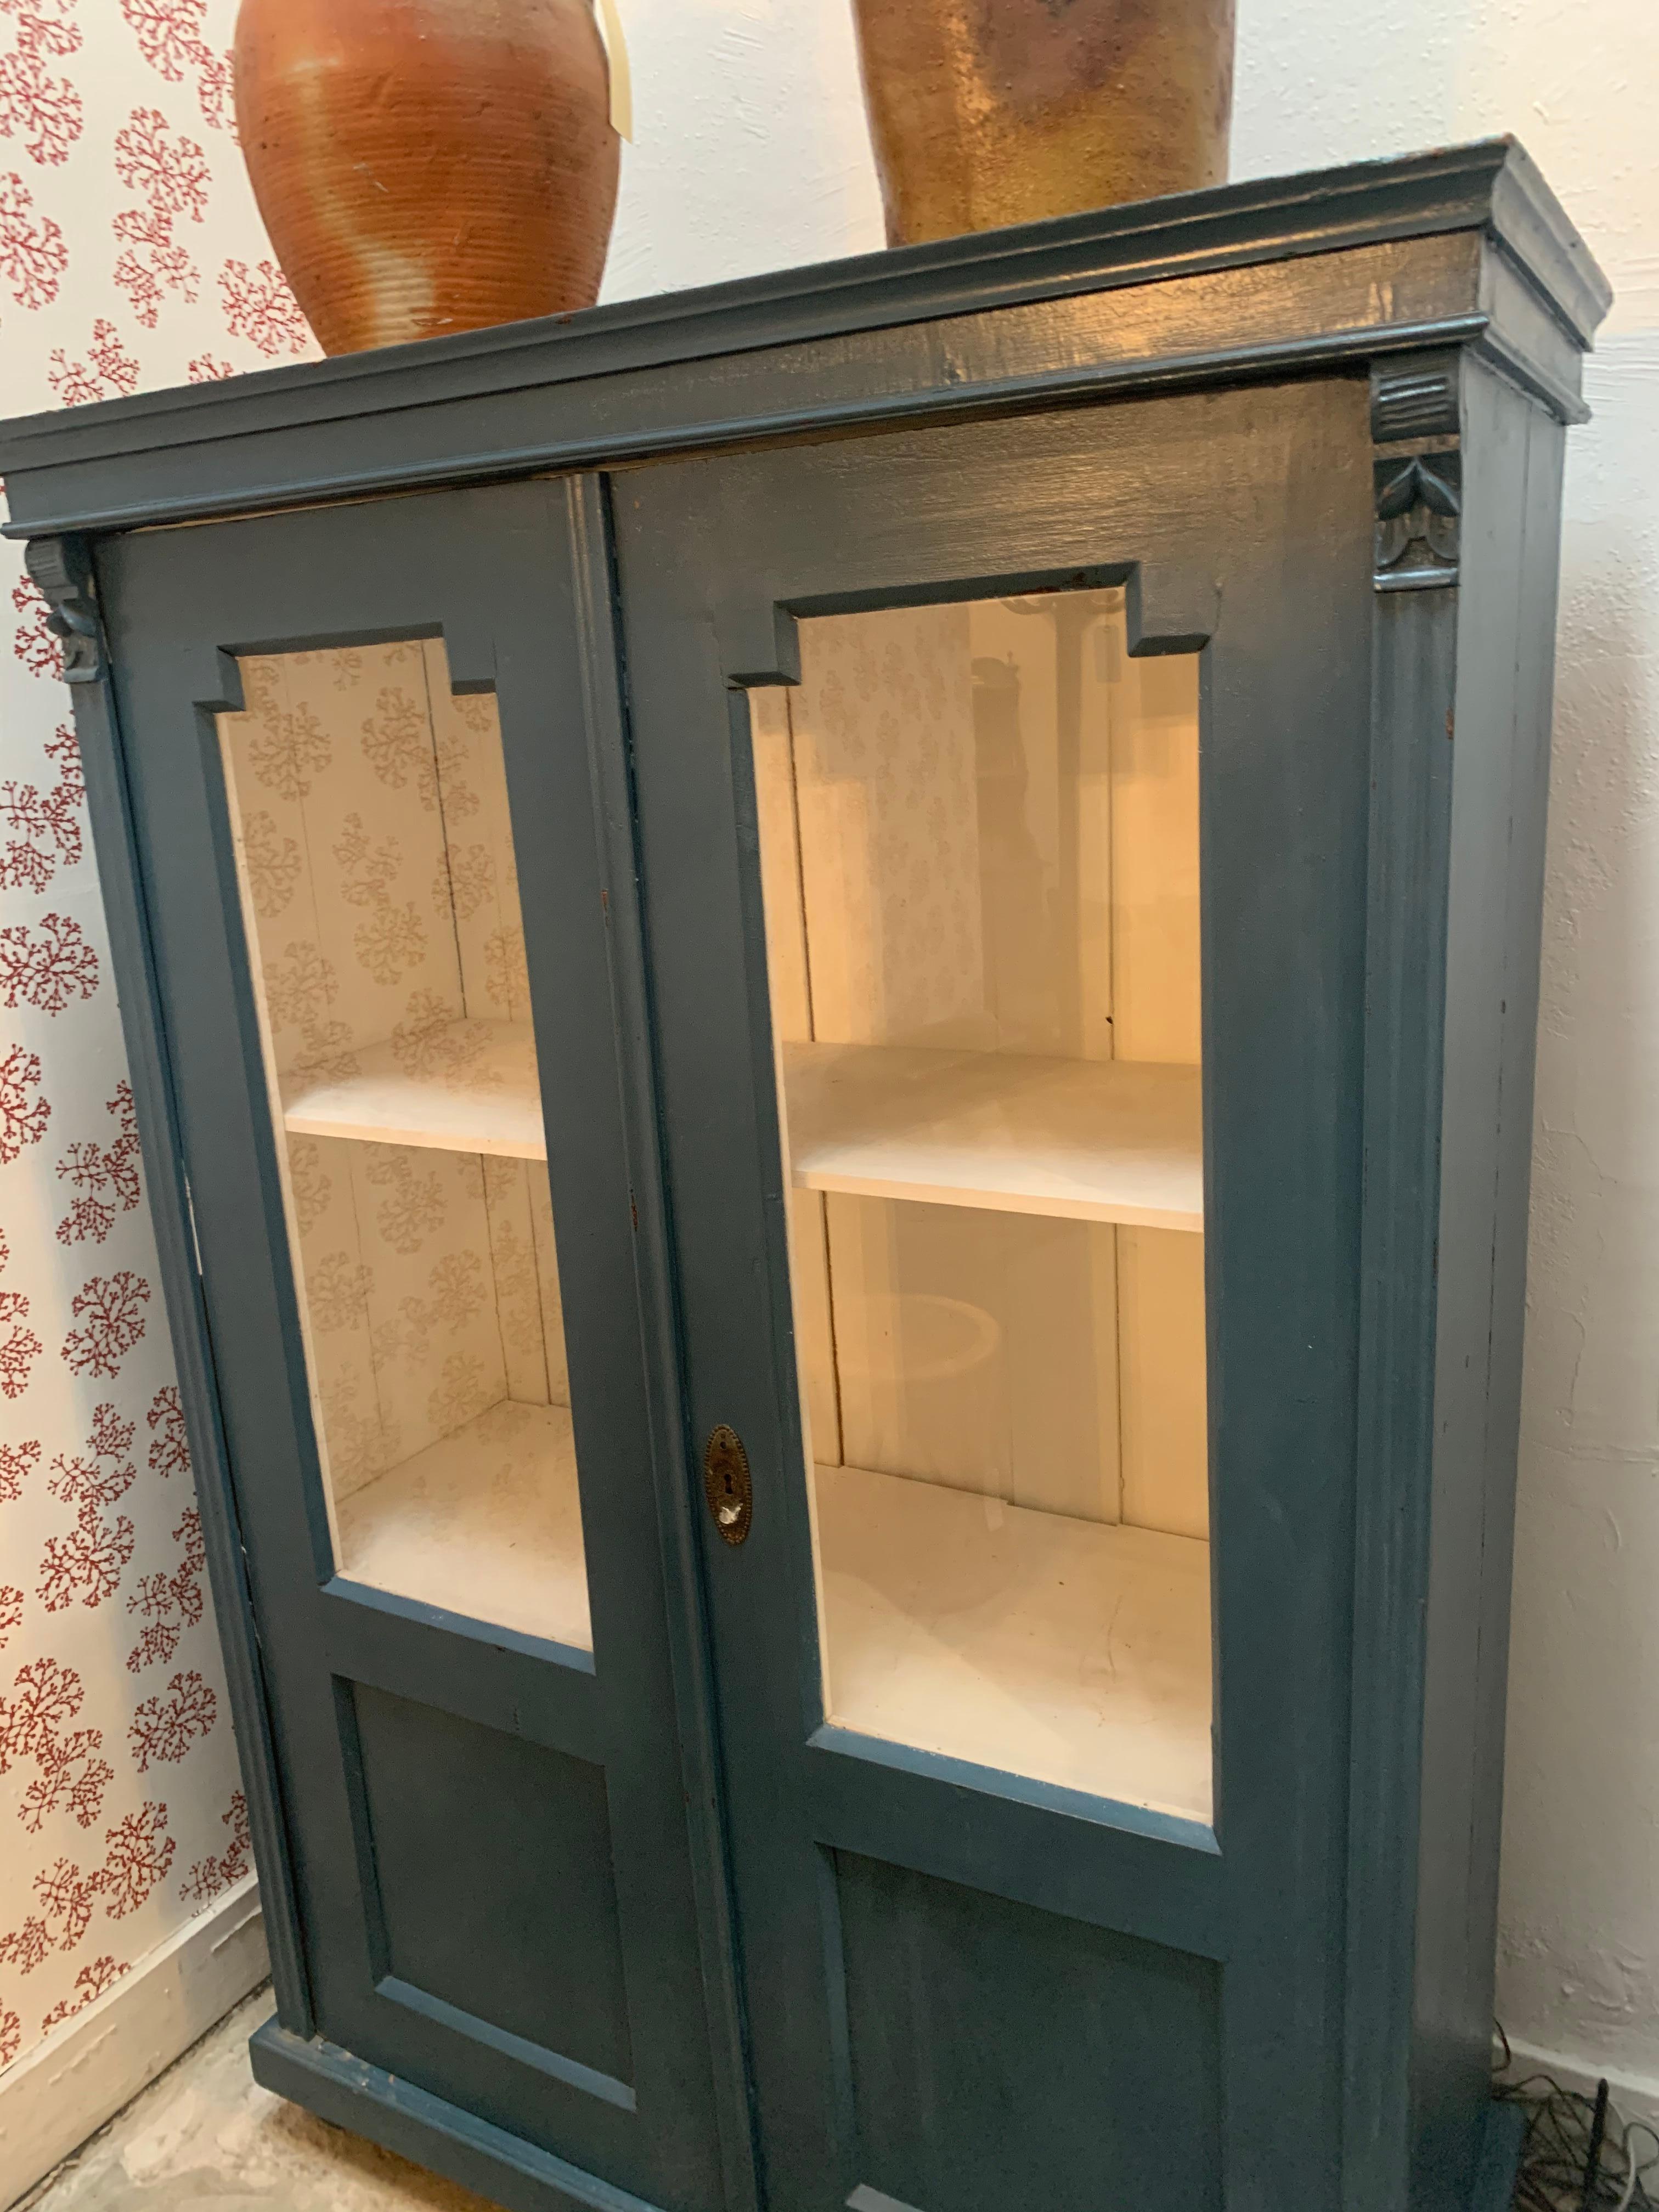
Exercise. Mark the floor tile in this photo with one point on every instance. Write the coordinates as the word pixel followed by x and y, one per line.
pixel 207 2138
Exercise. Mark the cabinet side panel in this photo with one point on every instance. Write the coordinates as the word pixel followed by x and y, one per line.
pixel 1500 780
pixel 100 738
pixel 1522 967
pixel 1414 650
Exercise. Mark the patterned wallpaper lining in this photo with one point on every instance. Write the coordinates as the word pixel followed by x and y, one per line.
pixel 430 1281
pixel 943 872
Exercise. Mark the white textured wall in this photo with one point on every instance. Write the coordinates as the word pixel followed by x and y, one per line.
pixel 751 154
pixel 749 149
pixel 1577 81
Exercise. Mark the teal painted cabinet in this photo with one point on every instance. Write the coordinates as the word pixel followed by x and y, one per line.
pixel 832 990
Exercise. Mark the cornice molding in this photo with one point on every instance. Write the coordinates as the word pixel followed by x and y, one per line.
pixel 1471 237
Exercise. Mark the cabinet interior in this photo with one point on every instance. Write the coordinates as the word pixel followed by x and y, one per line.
pixel 980 861
pixel 379 896
pixel 979 834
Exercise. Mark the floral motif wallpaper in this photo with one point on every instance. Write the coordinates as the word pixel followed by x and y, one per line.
pixel 131 255
pixel 885 757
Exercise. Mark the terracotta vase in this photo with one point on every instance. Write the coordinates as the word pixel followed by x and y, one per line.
pixel 426 166
pixel 991 112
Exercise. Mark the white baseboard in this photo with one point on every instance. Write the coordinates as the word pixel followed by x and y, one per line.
pixel 1632 2096
pixel 85 2071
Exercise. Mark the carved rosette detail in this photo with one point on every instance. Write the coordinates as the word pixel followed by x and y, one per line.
pixel 62 571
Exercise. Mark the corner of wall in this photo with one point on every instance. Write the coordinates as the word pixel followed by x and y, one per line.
pixel 66 2089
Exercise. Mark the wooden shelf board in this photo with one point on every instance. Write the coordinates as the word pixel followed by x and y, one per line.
pixel 1071 1652
pixel 476 1091
pixel 486 1522
pixel 1083 1141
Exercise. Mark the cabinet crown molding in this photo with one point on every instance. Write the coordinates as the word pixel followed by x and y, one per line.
pixel 1463 248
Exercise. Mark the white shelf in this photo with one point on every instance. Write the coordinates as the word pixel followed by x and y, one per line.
pixel 486 1522
pixel 1071 1652
pixel 476 1092
pixel 1067 1650
pixel 1084 1140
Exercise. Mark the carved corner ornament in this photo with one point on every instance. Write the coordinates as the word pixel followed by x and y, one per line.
pixel 61 568
pixel 1418 474
pixel 1420 510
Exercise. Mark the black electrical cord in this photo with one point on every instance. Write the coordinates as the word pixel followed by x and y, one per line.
pixel 1598 2139
pixel 1578 2156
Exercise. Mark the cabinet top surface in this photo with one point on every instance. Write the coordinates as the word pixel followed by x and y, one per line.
pixel 1463 246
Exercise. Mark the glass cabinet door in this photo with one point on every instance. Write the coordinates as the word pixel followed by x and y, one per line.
pixel 379 894
pixel 366 755
pixel 979 851
pixel 1002 786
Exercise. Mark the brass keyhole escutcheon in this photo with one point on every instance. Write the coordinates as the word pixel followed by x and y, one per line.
pixel 727 1485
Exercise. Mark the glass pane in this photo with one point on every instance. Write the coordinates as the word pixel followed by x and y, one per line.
pixel 368 809
pixel 979 831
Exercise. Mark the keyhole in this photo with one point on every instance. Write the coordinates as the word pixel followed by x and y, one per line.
pixel 726 1484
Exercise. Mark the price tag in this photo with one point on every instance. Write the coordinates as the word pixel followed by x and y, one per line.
pixel 621 84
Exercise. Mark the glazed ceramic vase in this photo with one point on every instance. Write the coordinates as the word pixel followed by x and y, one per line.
pixel 425 165
pixel 991 112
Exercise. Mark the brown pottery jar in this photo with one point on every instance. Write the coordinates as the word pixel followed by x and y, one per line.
pixel 992 111
pixel 425 165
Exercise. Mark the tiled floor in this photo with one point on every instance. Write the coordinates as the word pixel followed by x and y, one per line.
pixel 206 2138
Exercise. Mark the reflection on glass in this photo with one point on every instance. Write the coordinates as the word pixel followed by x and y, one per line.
pixel 979 834
pixel 369 815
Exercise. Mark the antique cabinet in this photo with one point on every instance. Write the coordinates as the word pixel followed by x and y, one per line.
pixel 832 990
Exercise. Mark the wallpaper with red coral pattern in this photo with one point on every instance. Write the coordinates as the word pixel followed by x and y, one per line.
pixel 131 255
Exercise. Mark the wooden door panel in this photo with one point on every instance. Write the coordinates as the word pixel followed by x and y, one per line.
pixel 884 1801
pixel 996 2055
pixel 1237 525
pixel 488 1825
pixel 468 1831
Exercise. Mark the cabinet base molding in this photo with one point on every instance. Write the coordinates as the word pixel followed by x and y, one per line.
pixel 353 2094
pixel 392 2113
pixel 1500 2159
pixel 66 2089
